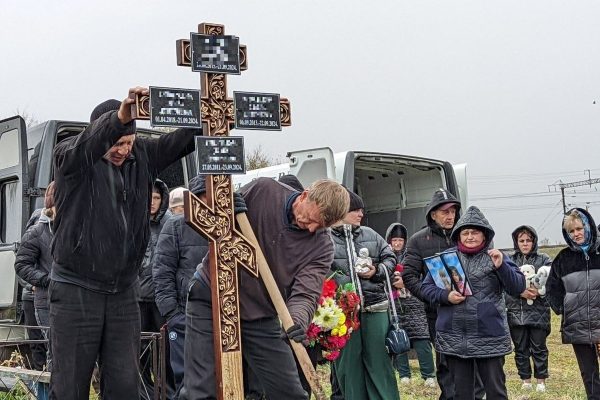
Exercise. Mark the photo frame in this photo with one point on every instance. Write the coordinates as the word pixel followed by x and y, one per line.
pixel 456 272
pixel 438 272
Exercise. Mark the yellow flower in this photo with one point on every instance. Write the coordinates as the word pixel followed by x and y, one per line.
pixel 342 319
pixel 342 330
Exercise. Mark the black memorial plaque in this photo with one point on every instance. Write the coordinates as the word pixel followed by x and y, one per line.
pixel 218 54
pixel 220 155
pixel 257 111
pixel 173 107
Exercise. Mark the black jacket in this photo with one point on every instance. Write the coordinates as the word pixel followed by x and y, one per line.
pixel 477 327
pixel 573 289
pixel 381 253
pixel 102 225
pixel 425 243
pixel 34 261
pixel 177 254
pixel 519 312
pixel 156 224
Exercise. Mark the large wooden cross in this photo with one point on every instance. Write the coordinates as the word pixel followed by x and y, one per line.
pixel 215 220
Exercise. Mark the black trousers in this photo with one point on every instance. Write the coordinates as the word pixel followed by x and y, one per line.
pixel 263 349
pixel 587 359
pixel 86 325
pixel 464 373
pixel 38 350
pixel 442 372
pixel 529 343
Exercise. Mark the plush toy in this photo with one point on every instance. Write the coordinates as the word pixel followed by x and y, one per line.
pixel 539 281
pixel 529 272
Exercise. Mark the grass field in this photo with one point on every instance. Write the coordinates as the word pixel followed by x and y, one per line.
pixel 564 382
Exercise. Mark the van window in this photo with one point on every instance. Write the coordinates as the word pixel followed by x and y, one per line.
pixel 10 228
pixel 9 149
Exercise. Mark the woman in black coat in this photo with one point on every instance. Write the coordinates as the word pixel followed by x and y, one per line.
pixel 573 291
pixel 529 323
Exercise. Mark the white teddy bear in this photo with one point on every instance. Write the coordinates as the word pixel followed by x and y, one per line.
pixel 529 272
pixel 539 281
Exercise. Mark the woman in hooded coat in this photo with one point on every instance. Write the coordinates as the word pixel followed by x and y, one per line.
pixel 529 323
pixel 573 291
pixel 472 331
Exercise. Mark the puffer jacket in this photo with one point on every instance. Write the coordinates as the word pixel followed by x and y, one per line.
pixel 477 327
pixel 177 254
pixel 428 241
pixel 573 288
pixel 410 309
pixel 373 290
pixel 156 224
pixel 518 311
pixel 34 261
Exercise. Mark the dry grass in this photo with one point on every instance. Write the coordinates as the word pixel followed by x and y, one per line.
pixel 564 383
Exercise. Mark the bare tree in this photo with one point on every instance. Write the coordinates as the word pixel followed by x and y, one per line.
pixel 258 158
pixel 30 119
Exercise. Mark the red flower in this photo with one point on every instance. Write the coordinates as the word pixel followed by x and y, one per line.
pixel 329 288
pixel 399 268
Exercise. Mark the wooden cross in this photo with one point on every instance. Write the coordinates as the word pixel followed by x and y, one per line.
pixel 215 220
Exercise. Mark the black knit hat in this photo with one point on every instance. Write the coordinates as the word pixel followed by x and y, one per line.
pixel 356 202
pixel 103 108
pixel 197 185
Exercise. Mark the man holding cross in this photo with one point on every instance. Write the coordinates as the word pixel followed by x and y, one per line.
pixel 289 227
pixel 104 180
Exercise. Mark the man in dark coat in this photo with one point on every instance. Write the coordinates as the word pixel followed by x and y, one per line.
pixel 104 180
pixel 179 251
pixel 441 214
pixel 289 229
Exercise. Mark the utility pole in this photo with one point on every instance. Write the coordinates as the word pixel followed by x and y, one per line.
pixel 568 185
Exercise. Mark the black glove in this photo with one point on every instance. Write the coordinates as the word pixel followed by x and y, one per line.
pixel 296 333
pixel 239 205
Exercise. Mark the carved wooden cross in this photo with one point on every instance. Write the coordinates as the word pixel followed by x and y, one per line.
pixel 228 248
pixel 215 220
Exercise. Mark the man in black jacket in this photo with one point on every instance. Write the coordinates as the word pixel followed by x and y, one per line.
pixel 104 180
pixel 441 215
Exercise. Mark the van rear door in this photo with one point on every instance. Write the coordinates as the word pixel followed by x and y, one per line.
pixel 13 202
pixel 313 164
pixel 460 171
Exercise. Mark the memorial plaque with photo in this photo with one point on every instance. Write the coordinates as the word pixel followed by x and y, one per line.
pixel 173 107
pixel 257 111
pixel 220 155
pixel 215 53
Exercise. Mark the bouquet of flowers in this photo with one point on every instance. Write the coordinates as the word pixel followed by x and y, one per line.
pixel 335 319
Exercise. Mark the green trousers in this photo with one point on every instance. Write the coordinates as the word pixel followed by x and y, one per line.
pixel 425 356
pixel 364 369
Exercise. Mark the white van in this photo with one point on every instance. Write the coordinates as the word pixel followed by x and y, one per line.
pixel 394 187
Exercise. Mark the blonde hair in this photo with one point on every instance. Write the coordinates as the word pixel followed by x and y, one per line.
pixel 332 199
pixel 571 218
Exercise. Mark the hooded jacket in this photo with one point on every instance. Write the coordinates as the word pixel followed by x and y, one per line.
pixel 34 261
pixel 102 225
pixel 519 312
pixel 428 241
pixel 477 327
pixel 156 224
pixel 373 289
pixel 410 309
pixel 573 288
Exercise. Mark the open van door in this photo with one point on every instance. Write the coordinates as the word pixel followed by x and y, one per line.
pixel 13 202
pixel 460 171
pixel 313 164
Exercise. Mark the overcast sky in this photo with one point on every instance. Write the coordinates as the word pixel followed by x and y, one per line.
pixel 505 86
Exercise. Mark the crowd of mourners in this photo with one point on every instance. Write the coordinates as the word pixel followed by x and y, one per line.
pixel 110 256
